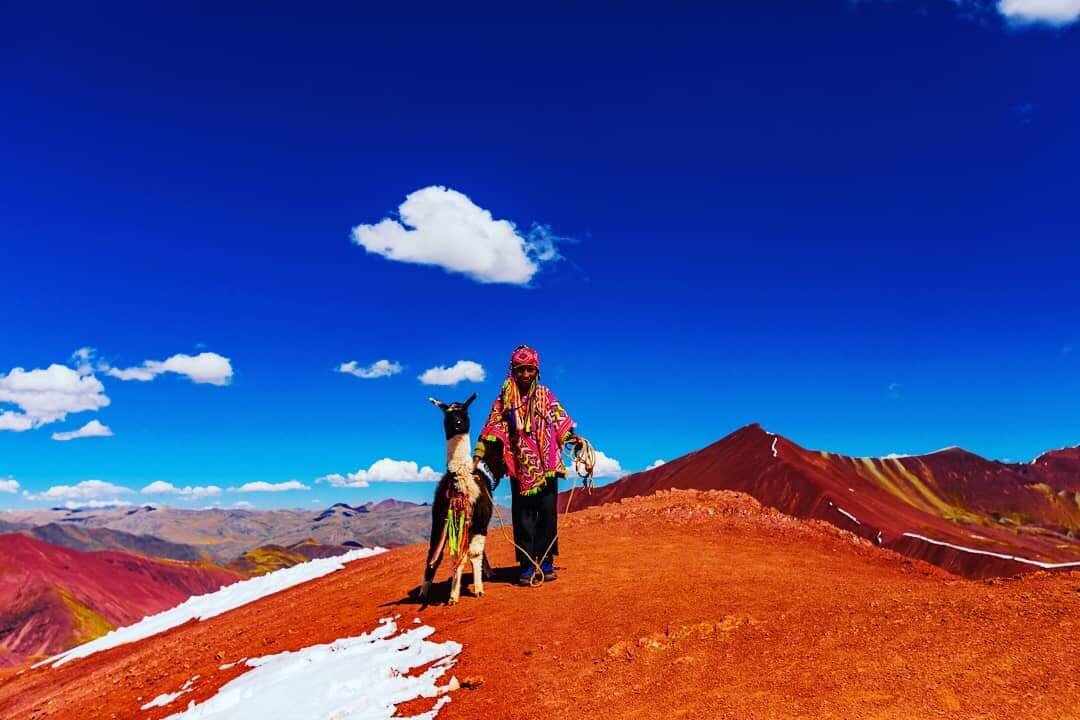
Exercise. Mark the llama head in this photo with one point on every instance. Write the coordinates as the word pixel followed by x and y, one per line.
pixel 455 416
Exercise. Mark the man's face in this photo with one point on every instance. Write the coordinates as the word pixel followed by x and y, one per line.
pixel 525 374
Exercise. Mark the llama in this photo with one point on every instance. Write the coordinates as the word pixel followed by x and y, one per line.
pixel 459 491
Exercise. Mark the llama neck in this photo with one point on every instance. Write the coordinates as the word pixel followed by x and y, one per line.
pixel 459 453
pixel 459 463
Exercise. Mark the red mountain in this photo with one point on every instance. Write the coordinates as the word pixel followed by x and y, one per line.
pixel 1002 518
pixel 52 597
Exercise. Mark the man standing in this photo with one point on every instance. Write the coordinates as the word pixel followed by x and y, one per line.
pixel 528 427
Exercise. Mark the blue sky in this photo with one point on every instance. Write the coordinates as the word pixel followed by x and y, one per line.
pixel 854 223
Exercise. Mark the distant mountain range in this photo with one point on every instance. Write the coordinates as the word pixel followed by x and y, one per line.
pixel 972 516
pixel 219 535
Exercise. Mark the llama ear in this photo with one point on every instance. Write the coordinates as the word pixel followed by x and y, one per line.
pixel 469 401
pixel 438 403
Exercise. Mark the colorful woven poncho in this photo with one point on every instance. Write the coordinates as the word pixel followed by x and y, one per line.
pixel 533 429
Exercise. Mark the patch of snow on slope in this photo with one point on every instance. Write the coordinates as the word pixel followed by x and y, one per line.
pixel 357 678
pixel 165 698
pixel 201 607
pixel 1044 565
pixel 774 453
pixel 845 513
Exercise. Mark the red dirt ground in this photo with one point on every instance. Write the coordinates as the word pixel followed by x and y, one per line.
pixel 686 604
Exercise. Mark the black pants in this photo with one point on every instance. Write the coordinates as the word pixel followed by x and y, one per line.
pixel 536 521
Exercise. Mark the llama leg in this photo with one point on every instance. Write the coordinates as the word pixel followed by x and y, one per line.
pixel 476 555
pixel 435 553
pixel 455 584
pixel 429 575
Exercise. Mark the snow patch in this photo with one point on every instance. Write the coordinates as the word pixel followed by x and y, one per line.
pixel 1037 563
pixel 774 453
pixel 900 456
pixel 166 698
pixel 356 678
pixel 846 514
pixel 1048 452
pixel 202 607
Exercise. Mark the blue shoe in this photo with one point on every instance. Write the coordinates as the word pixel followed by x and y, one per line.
pixel 548 566
pixel 525 579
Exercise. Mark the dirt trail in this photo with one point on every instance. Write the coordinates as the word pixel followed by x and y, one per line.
pixel 682 605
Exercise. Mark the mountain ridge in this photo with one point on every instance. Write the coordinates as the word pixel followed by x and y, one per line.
pixel 973 516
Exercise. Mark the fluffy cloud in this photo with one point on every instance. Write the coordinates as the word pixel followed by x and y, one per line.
pixel 82 357
pixel 1040 12
pixel 160 487
pixel 378 369
pixel 442 227
pixel 86 490
pixel 385 470
pixel 262 486
pixel 656 464
pixel 47 396
pixel 9 485
pixel 607 467
pixel 208 368
pixel 459 371
pixel 90 429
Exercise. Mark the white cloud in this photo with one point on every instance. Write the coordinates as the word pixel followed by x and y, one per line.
pixel 47 396
pixel 95 504
pixel 82 357
pixel 245 505
pixel 443 227
pixel 86 490
pixel 262 486
pixel 385 470
pixel 656 464
pixel 461 370
pixel 160 487
pixel 9 485
pixel 607 466
pixel 207 368
pixel 90 429
pixel 1040 12
pixel 378 369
